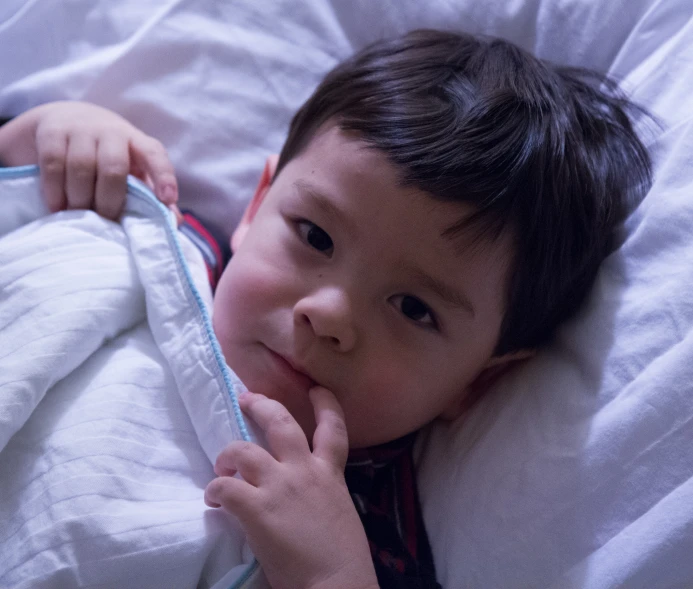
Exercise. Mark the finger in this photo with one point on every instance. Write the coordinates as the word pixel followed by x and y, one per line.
pixel 251 461
pixel 138 173
pixel 229 493
pixel 150 157
pixel 80 172
pixel 284 436
pixel 330 440
pixel 113 164
pixel 51 149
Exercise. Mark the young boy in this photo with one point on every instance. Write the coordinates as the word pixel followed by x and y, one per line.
pixel 441 204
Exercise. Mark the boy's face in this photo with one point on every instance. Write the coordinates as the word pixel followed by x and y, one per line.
pixel 343 279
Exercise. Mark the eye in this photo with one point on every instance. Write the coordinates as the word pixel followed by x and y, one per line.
pixel 416 310
pixel 315 236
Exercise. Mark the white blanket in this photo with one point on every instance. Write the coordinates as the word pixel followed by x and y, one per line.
pixel 114 402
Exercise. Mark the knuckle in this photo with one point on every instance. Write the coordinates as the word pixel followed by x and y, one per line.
pixel 52 162
pixel 169 178
pixel 244 449
pixel 275 503
pixel 280 420
pixel 337 425
pixel 153 148
pixel 50 134
pixel 82 166
pixel 114 169
pixel 251 508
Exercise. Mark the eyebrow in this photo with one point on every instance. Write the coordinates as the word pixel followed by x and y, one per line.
pixel 444 291
pixel 325 204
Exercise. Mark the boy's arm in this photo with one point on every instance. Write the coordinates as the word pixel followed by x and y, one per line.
pixel 293 504
pixel 85 153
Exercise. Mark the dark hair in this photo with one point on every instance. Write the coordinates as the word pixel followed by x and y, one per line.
pixel 546 152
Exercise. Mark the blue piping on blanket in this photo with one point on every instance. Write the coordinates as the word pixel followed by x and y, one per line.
pixel 19 171
pixel 138 189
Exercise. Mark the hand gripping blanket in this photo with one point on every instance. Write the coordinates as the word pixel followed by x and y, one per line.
pixel 114 402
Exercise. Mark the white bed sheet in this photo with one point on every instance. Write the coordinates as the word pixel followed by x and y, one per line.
pixel 577 471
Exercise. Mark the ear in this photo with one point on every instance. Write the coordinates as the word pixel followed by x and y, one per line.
pixel 251 210
pixel 495 368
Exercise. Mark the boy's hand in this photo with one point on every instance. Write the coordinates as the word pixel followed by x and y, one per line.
pixel 293 504
pixel 85 153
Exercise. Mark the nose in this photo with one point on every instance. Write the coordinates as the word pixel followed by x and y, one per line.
pixel 328 313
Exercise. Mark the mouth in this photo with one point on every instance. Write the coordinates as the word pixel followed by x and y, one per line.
pixel 291 370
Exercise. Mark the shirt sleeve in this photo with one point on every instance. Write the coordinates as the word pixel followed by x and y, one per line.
pixel 212 245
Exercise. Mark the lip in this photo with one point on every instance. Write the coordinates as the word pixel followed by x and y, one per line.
pixel 291 370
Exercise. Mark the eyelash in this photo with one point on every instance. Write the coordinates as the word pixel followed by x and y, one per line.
pixel 299 224
pixel 432 324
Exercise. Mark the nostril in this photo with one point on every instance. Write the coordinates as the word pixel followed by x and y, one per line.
pixel 334 340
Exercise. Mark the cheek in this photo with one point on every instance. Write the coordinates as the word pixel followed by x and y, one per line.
pixel 393 367
pixel 377 384
pixel 252 288
pixel 394 395
pixel 383 377
pixel 385 401
pixel 240 296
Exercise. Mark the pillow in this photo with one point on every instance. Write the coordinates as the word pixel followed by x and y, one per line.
pixel 218 82
pixel 576 471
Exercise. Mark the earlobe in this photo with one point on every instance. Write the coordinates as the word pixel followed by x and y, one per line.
pixel 251 210
pixel 495 368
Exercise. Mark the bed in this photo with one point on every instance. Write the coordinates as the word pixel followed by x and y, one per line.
pixel 577 470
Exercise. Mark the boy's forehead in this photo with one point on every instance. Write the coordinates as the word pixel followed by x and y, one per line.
pixel 355 170
pixel 334 145
pixel 341 165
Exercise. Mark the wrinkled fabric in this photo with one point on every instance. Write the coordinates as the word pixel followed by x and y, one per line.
pixel 114 402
